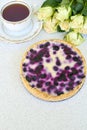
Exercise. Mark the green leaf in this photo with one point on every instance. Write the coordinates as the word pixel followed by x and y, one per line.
pixel 84 11
pixel 59 29
pixel 77 7
pixel 85 0
pixel 80 1
pixel 59 1
pixel 52 3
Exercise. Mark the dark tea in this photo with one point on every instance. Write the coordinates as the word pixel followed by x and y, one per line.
pixel 15 12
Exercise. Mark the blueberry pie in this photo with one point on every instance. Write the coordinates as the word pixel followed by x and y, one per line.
pixel 53 70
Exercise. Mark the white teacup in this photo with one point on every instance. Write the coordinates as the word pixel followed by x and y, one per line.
pixel 18 27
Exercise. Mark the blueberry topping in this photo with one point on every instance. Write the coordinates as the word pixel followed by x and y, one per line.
pixel 38 69
pixel 24 64
pixel 80 70
pixel 74 53
pixel 70 83
pixel 27 57
pixel 47 54
pixel 67 50
pixel 67 68
pixel 41 46
pixel 54 52
pixel 55 68
pixel 31 70
pixel 55 47
pixel 68 57
pixel 47 44
pixel 55 83
pixel 79 62
pixel 62 45
pixel 40 66
pixel 75 58
pixel 58 62
pixel 48 60
pixel 81 76
pixel 62 85
pixel 32 85
pixel 44 45
pixel 28 78
pixel 52 87
pixel 78 82
pixel 34 78
pixel 42 52
pixel 70 75
pixel 48 83
pixel 74 71
pixel 39 85
pixel 49 90
pixel 58 92
pixel 36 58
pixel 43 90
pixel 62 77
pixel 31 50
pixel 69 88
pixel 56 79
pixel 24 69
pixel 72 78
pixel 43 76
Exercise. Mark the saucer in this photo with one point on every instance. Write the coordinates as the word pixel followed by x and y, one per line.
pixel 36 28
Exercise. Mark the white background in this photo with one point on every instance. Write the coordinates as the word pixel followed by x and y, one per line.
pixel 19 110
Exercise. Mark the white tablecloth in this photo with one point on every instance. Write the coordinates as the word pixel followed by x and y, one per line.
pixel 19 110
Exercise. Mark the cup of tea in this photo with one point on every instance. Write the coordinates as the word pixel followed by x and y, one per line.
pixel 16 18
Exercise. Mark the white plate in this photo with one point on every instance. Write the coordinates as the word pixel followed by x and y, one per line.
pixel 22 38
pixel 37 26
